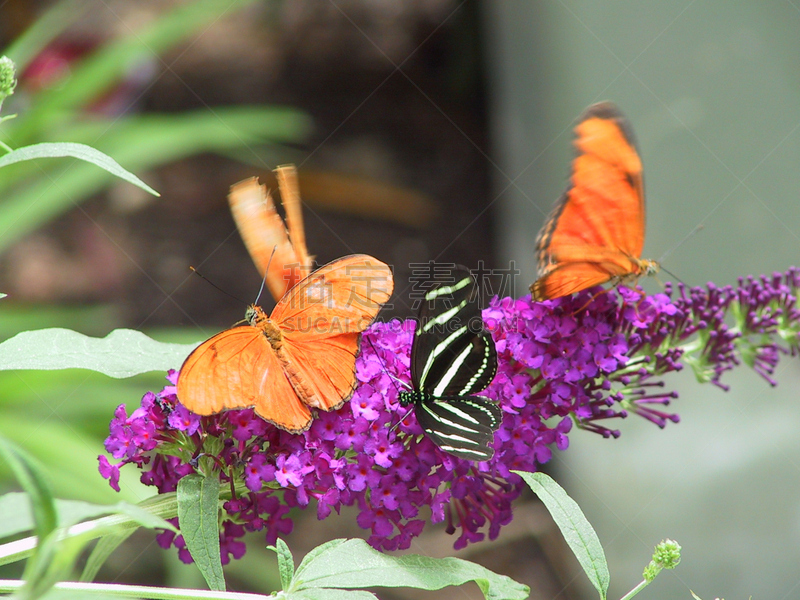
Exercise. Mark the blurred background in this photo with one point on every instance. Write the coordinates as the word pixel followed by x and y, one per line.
pixel 424 130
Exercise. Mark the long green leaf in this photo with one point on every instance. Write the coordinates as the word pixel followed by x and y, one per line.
pixel 285 563
pixel 122 353
pixel 147 513
pixel 104 68
pixel 354 564
pixel 198 518
pixel 141 143
pixel 330 594
pixel 29 476
pixel 100 553
pixel 574 526
pixel 16 517
pixel 44 30
pixel 79 151
pixel 56 554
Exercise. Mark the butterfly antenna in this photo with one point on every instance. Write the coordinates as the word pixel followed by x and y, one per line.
pixel 266 272
pixel 395 381
pixel 214 285
pixel 668 272
pixel 686 238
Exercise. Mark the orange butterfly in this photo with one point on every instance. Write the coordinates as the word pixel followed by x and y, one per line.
pixel 303 355
pixel 595 233
pixel 271 246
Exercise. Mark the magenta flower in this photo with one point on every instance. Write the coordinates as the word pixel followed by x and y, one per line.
pixel 587 360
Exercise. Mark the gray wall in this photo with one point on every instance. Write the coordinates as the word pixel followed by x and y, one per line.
pixel 712 90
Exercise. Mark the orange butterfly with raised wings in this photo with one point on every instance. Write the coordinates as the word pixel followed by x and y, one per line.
pixel 302 356
pixel 595 233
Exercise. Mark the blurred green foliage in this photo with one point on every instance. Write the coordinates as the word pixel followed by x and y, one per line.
pixel 35 192
pixel 62 417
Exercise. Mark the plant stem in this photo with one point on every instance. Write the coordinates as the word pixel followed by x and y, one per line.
pixel 133 591
pixel 643 584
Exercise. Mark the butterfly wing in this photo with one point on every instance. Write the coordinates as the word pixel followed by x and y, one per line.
pixel 596 230
pixel 452 355
pixel 320 320
pixel 460 425
pixel 265 236
pixel 238 369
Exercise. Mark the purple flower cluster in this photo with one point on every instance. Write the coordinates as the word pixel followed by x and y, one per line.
pixel 580 360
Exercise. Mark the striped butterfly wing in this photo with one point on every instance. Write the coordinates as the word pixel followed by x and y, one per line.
pixel 460 425
pixel 452 357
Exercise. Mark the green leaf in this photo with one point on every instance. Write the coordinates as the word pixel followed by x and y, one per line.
pixel 49 25
pixel 140 142
pixel 15 516
pixel 79 151
pixel 99 71
pixel 285 563
pixel 198 518
pixel 100 553
pixel 121 517
pixel 321 549
pixel 122 353
pixel 354 564
pixel 574 526
pixel 328 594
pixel 32 481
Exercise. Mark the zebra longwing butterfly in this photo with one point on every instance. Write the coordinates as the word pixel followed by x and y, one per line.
pixel 452 357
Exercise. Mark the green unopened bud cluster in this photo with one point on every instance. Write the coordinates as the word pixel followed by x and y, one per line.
pixel 8 78
pixel 666 556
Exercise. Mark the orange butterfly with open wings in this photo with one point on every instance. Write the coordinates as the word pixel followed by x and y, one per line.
pixel 303 355
pixel 595 233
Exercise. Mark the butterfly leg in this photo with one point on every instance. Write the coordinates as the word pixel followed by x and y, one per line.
pixel 592 299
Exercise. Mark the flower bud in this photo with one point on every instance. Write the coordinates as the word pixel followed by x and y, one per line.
pixel 8 78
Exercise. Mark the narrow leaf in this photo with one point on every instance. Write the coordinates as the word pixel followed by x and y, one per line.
pixel 15 514
pixel 574 526
pixel 47 26
pixel 122 353
pixel 354 564
pixel 198 509
pixel 141 142
pixel 100 553
pixel 123 517
pixel 285 563
pixel 30 478
pixel 79 151
pixel 329 594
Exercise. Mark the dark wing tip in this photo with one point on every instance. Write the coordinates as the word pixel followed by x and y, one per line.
pixel 608 111
pixel 538 291
pixel 602 110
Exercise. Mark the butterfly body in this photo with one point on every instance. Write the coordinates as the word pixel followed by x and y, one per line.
pixel 452 358
pixel 302 356
pixel 595 233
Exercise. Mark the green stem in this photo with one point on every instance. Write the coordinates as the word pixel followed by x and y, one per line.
pixel 133 591
pixel 643 584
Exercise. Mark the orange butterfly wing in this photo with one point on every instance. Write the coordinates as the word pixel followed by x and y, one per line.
pixel 309 362
pixel 596 231
pixel 271 247
pixel 239 369
pixel 320 320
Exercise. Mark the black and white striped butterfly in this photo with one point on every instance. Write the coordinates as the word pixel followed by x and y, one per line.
pixel 452 357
